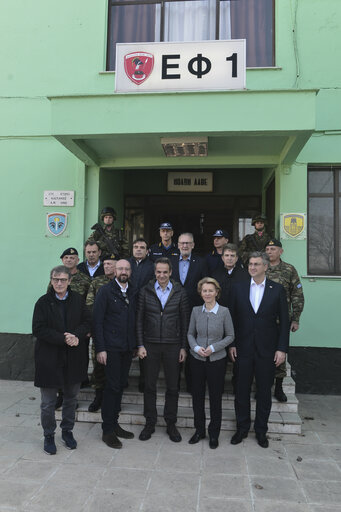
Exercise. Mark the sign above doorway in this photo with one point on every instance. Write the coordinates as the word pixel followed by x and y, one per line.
pixel 185 66
pixel 190 182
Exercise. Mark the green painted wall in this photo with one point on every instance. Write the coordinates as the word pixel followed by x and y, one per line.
pixel 59 49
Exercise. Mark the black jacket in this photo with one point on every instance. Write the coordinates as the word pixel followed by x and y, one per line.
pixel 114 318
pixel 158 250
pixel 196 271
pixel 82 267
pixel 142 273
pixel 55 362
pixel 267 330
pixel 157 325
pixel 226 281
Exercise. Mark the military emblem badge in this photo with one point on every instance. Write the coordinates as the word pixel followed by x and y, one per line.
pixel 56 223
pixel 138 66
pixel 293 224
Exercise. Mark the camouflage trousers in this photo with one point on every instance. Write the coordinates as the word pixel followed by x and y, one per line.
pixel 98 373
pixel 281 371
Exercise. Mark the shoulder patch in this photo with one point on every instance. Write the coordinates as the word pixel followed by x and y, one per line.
pixel 299 285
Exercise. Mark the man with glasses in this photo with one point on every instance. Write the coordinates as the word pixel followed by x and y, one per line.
pixel 114 335
pixel 60 323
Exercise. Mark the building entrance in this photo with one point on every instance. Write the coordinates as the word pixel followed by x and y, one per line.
pixel 201 215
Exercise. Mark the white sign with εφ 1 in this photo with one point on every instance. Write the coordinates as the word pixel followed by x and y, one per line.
pixel 195 66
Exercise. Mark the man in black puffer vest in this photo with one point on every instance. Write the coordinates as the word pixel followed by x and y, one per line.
pixel 162 324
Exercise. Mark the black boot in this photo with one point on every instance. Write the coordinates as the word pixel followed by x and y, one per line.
pixel 97 402
pixel 279 393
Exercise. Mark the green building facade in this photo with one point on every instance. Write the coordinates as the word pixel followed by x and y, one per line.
pixel 273 147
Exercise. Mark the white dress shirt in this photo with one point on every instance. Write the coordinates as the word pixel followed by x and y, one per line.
pixel 256 294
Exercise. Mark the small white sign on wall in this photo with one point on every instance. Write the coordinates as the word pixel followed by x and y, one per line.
pixel 59 197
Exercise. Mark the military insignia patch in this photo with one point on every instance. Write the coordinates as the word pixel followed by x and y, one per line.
pixel 293 224
pixel 138 66
pixel 56 223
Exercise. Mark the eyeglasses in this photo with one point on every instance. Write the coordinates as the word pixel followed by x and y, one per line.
pixel 59 280
pixel 185 243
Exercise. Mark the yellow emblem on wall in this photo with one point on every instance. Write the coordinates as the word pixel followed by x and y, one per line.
pixel 293 224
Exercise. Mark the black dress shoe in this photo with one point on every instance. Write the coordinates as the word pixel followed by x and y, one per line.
pixel 238 437
pixel 120 432
pixel 111 440
pixel 196 437
pixel 262 440
pixel 97 401
pixel 173 433
pixel 214 443
pixel 146 433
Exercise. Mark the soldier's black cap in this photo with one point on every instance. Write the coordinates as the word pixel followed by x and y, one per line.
pixel 71 251
pixel 166 225
pixel 221 232
pixel 273 242
pixel 108 256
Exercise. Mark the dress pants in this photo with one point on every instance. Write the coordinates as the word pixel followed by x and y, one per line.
pixel 47 408
pixel 212 372
pixel 263 370
pixel 168 353
pixel 116 375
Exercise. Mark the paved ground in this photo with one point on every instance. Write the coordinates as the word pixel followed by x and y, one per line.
pixel 295 474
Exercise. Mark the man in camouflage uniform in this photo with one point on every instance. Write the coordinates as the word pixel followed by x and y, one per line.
pixel 98 374
pixel 285 274
pixel 79 283
pixel 255 242
pixel 107 237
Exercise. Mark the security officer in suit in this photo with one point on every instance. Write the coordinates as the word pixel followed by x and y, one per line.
pixel 142 268
pixel 213 259
pixel 231 272
pixel 166 248
pixel 92 265
pixel 260 317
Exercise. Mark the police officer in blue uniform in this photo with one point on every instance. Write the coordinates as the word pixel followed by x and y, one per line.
pixel 213 259
pixel 166 248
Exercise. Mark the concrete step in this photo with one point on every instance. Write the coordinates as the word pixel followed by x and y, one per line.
pixel 185 400
pixel 132 414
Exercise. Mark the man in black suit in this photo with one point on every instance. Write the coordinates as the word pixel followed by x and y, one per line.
pixel 230 273
pixel 142 268
pixel 92 265
pixel 260 317
pixel 188 268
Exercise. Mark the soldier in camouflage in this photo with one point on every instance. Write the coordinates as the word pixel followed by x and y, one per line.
pixel 255 242
pixel 98 374
pixel 285 274
pixel 107 237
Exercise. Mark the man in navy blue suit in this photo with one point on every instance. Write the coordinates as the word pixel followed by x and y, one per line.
pixel 261 323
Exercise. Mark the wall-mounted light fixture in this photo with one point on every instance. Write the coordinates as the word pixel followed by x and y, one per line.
pixel 185 146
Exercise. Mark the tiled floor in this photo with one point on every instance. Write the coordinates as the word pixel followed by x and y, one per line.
pixel 295 474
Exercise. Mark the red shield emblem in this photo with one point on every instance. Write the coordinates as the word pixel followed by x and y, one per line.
pixel 138 66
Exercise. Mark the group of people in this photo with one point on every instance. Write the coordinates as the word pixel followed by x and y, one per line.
pixel 167 306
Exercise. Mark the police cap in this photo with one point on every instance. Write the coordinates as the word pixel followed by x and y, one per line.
pixel 166 225
pixel 221 232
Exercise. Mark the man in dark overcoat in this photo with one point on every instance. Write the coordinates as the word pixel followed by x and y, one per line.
pixel 61 321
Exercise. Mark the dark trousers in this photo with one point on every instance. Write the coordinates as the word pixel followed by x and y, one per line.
pixel 168 353
pixel 263 370
pixel 212 372
pixel 47 408
pixel 116 375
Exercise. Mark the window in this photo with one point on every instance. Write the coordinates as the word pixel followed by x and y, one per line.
pixel 194 20
pixel 324 220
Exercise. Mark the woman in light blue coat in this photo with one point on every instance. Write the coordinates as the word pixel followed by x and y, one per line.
pixel 210 332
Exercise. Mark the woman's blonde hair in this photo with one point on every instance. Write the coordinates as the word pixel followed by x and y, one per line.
pixel 209 280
